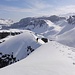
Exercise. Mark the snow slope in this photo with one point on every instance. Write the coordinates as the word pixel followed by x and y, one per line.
pixel 56 27
pixel 18 44
pixel 61 23
pixel 50 59
pixel 66 28
pixel 47 25
pixel 67 38
pixel 52 30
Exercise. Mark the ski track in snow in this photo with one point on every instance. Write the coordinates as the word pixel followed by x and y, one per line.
pixel 70 53
pixel 19 49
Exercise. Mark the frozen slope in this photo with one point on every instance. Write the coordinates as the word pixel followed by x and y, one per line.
pixel 18 44
pixel 55 27
pixel 67 38
pixel 46 29
pixel 66 28
pixel 50 59
pixel 61 23
pixel 52 29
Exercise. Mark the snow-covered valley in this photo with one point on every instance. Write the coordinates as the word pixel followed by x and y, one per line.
pixel 43 47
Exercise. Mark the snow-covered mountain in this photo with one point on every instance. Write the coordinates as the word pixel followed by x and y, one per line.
pixel 46 45
pixel 44 26
pixel 6 22
pixel 66 35
pixel 33 21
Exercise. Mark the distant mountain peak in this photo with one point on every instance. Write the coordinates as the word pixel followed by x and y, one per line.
pixel 6 22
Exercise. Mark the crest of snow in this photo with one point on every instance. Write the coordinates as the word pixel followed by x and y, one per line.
pixel 18 44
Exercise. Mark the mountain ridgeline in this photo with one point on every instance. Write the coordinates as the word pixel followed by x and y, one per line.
pixel 38 21
pixel 35 21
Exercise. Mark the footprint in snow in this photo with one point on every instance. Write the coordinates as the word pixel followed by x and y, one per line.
pixel 69 53
pixel 70 57
pixel 73 50
pixel 73 63
pixel 62 51
pixel 69 49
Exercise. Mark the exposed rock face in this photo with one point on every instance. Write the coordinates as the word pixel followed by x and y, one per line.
pixel 71 19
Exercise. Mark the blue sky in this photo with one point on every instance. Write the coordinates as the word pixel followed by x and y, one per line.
pixel 17 9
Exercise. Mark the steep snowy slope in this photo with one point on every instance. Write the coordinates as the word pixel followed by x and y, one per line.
pixel 50 59
pixel 61 23
pixel 46 29
pixel 63 27
pixel 69 24
pixel 67 38
pixel 66 28
pixel 56 27
pixel 38 28
pixel 18 44
pixel 52 29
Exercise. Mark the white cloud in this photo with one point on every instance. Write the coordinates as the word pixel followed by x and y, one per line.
pixel 34 6
pixel 65 9
pixel 11 0
pixel 39 8
pixel 15 9
pixel 39 4
pixel 58 10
